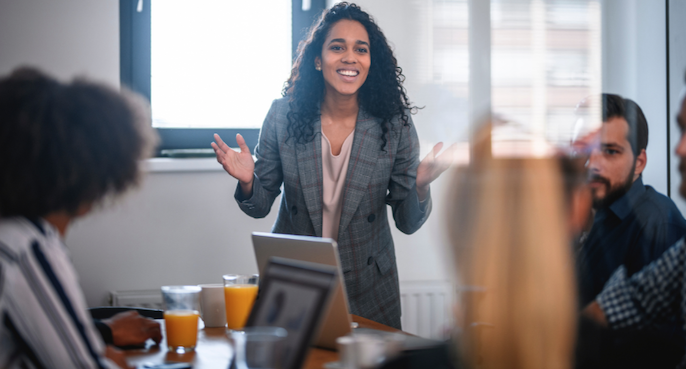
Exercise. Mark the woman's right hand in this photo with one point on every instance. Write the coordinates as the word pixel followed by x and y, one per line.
pixel 239 165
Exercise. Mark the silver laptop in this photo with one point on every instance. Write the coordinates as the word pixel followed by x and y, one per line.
pixel 337 320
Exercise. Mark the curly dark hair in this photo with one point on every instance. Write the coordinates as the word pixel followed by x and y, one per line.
pixel 382 94
pixel 63 146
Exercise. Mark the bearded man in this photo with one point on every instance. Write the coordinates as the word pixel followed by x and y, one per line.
pixel 653 298
pixel 633 223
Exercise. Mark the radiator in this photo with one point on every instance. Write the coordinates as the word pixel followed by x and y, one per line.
pixel 427 308
pixel 426 305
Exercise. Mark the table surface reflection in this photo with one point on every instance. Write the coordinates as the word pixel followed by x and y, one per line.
pixel 214 350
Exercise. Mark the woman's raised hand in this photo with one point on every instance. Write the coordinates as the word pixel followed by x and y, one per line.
pixel 239 165
pixel 431 167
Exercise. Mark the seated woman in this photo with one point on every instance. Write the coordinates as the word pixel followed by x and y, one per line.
pixel 63 149
pixel 511 228
pixel 510 224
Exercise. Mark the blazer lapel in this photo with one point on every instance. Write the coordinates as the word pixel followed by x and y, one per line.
pixel 310 174
pixel 363 157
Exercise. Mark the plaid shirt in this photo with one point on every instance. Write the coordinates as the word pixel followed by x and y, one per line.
pixel 654 295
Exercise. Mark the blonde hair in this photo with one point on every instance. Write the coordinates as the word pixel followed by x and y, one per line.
pixel 511 243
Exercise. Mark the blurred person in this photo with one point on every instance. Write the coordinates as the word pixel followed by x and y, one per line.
pixel 633 224
pixel 343 145
pixel 64 148
pixel 655 295
pixel 510 228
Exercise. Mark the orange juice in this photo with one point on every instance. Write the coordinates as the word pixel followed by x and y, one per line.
pixel 238 300
pixel 181 327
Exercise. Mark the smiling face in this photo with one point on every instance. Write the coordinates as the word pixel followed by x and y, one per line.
pixel 613 168
pixel 345 59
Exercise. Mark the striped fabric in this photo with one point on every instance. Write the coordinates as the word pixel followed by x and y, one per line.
pixel 44 318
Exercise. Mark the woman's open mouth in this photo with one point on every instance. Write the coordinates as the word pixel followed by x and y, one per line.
pixel 348 73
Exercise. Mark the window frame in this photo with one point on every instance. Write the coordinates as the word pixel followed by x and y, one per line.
pixel 135 72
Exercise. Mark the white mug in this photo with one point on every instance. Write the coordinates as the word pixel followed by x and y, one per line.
pixel 212 305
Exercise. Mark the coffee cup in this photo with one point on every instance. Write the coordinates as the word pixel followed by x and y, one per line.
pixel 212 309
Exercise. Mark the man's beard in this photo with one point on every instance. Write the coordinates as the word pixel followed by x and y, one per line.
pixel 612 194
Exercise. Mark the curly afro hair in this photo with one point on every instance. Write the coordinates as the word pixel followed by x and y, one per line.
pixel 63 146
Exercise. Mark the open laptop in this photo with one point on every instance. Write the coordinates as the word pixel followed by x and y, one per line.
pixel 337 321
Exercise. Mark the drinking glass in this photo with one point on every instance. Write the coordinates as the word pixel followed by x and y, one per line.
pixel 181 305
pixel 240 292
pixel 259 347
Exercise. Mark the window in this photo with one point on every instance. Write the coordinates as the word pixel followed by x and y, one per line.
pixel 546 58
pixel 210 66
pixel 528 61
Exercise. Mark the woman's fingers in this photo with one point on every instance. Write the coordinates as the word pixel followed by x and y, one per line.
pixel 241 143
pixel 221 144
pixel 446 157
pixel 217 152
pixel 437 148
pixel 434 164
pixel 224 157
pixel 239 165
pixel 433 154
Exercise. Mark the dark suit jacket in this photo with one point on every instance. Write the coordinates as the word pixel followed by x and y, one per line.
pixel 375 178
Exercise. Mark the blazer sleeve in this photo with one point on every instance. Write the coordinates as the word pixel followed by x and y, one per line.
pixel 268 172
pixel 408 212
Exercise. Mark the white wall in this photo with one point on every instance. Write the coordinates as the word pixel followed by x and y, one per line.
pixel 180 227
pixel 65 38
pixel 635 66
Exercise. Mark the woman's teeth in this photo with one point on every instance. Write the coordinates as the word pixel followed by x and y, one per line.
pixel 350 73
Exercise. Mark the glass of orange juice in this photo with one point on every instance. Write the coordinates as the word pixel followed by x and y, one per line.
pixel 240 292
pixel 181 306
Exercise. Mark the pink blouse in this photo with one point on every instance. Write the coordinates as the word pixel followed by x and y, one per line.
pixel 334 170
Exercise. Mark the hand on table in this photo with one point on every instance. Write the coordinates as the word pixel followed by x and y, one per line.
pixel 131 329
pixel 239 165
pixel 432 166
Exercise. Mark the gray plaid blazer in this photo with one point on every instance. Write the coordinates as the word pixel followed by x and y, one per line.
pixel 374 179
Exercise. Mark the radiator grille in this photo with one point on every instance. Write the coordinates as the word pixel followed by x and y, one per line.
pixel 427 308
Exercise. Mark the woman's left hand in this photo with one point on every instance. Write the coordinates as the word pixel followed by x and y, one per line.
pixel 431 167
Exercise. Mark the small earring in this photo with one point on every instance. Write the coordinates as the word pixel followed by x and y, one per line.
pixel 318 67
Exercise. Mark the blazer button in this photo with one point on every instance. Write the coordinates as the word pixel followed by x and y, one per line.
pixel 294 210
pixel 370 260
pixel 371 218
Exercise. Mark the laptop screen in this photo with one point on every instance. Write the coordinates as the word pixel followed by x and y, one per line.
pixel 293 295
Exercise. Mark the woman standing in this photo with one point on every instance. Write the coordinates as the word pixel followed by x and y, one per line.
pixel 342 142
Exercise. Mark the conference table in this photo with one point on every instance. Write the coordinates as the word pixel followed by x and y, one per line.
pixel 214 350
